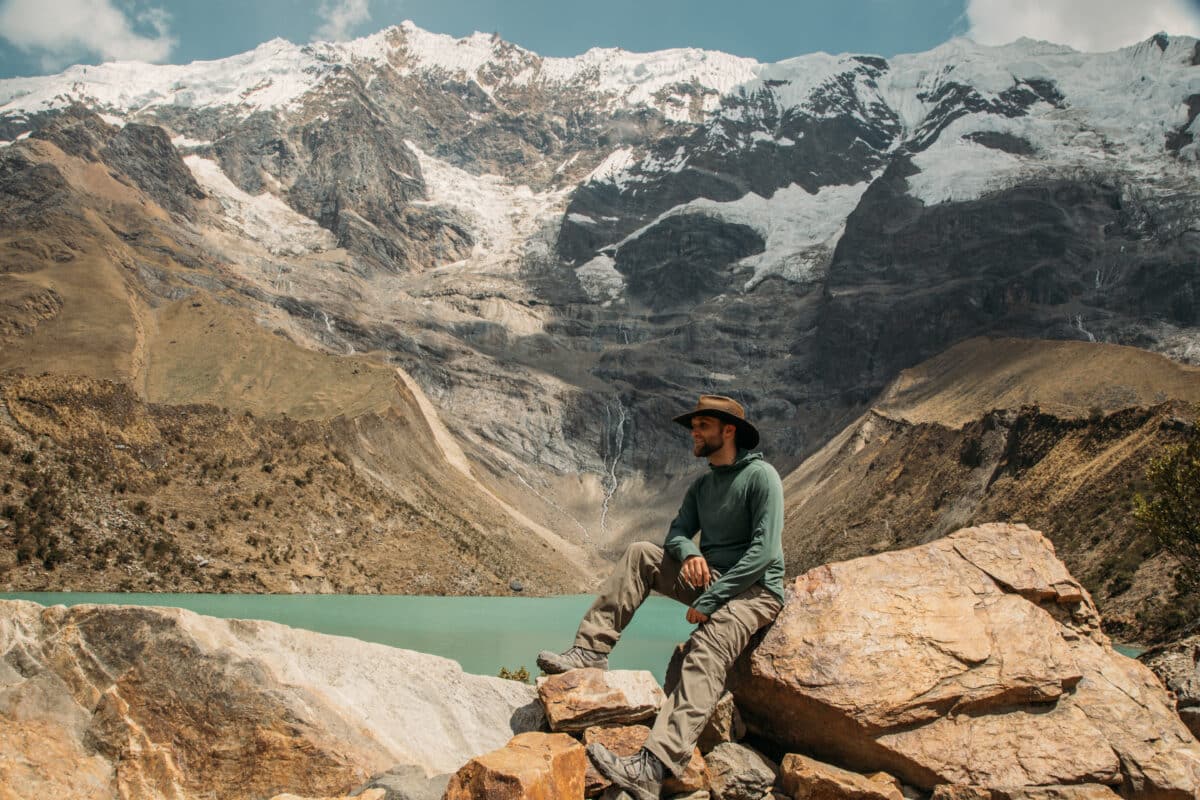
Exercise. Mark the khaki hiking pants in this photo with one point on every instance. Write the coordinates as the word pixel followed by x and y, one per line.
pixel 711 650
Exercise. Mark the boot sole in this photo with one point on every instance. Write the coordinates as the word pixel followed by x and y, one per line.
pixel 548 665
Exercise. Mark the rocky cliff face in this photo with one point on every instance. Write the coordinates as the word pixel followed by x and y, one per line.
pixel 563 252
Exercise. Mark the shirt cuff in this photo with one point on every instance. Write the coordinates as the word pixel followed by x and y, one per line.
pixel 706 604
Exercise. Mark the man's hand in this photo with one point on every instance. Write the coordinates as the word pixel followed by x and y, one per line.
pixel 695 617
pixel 695 572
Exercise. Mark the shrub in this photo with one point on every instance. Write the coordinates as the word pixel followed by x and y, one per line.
pixel 1169 510
pixel 521 674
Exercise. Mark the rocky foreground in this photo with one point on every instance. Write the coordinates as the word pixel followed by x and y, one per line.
pixel 971 667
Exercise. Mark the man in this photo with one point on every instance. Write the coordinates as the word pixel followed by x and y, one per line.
pixel 732 584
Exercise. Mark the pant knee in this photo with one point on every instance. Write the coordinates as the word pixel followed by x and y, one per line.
pixel 642 552
pixel 723 647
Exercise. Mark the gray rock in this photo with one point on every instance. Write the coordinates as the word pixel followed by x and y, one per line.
pixel 146 155
pixel 1191 718
pixel 407 782
pixel 738 772
pixel 684 259
pixel 725 725
pixel 1177 665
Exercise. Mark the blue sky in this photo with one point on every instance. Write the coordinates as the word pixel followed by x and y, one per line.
pixel 40 36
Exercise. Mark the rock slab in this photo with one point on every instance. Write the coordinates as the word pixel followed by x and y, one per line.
pixel 805 778
pixel 135 702
pixel 974 660
pixel 533 766
pixel 581 698
pixel 1178 666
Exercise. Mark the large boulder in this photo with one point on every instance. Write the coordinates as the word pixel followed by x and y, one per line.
pixel 580 698
pixel 108 701
pixel 975 660
pixel 533 766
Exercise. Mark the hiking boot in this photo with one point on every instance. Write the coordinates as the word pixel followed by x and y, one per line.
pixel 640 774
pixel 574 658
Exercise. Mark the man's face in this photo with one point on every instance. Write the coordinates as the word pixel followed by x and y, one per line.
pixel 707 436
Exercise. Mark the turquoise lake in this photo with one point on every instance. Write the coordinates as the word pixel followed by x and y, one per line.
pixel 482 634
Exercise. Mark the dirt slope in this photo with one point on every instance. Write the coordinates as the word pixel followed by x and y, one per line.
pixel 1065 378
pixel 181 438
pixel 942 450
pixel 103 492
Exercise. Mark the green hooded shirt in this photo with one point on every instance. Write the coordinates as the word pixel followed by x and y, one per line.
pixel 738 509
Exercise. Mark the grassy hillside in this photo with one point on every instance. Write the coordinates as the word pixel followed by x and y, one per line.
pixel 104 492
pixel 944 448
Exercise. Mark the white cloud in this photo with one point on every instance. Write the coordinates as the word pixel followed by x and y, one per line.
pixel 340 17
pixel 62 31
pixel 1088 25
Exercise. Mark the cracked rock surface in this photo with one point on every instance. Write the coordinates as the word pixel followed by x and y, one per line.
pixel 106 702
pixel 976 659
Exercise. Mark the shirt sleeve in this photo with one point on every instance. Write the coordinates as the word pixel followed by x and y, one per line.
pixel 679 544
pixel 765 496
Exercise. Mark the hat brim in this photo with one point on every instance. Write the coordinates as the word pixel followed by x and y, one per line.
pixel 747 434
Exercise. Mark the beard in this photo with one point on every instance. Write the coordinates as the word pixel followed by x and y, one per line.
pixel 706 447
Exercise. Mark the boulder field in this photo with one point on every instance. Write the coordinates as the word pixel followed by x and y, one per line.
pixel 969 668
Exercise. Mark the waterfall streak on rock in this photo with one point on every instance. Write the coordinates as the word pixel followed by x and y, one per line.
pixel 616 446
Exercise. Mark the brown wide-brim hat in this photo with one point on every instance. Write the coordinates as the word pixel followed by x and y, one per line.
pixel 725 409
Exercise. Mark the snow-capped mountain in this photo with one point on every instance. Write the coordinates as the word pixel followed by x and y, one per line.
pixel 563 251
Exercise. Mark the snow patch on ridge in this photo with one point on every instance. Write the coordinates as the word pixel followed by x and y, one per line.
pixel 637 78
pixel 182 142
pixel 614 169
pixel 271 76
pixel 264 218
pixel 800 229
pixel 958 170
pixel 1117 110
pixel 467 55
pixel 503 217
pixel 600 279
